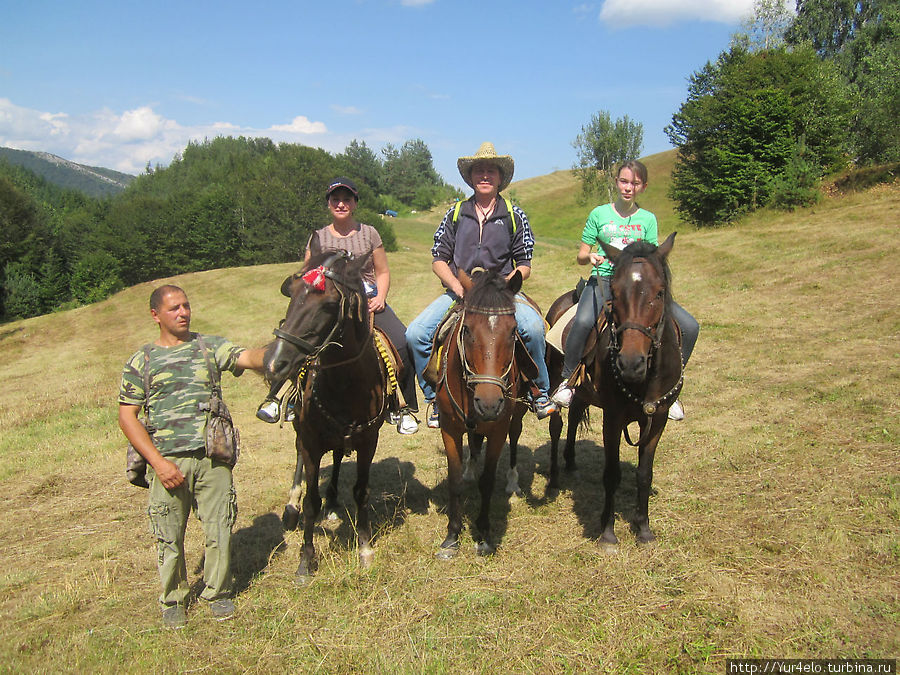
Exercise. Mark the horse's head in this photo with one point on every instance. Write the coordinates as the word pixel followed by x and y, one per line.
pixel 640 288
pixel 328 303
pixel 487 340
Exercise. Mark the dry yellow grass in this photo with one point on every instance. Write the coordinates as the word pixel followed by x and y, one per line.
pixel 776 502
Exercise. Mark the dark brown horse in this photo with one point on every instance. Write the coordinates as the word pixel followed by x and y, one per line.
pixel 325 341
pixel 477 393
pixel 633 372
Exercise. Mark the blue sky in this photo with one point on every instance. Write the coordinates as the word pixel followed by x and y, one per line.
pixel 122 83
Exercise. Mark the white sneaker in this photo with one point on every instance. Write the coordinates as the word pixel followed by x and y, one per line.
pixel 676 411
pixel 408 424
pixel 269 411
pixel 563 395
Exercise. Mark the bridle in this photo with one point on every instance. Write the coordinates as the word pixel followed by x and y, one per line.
pixel 311 353
pixel 470 377
pixel 345 290
pixel 655 334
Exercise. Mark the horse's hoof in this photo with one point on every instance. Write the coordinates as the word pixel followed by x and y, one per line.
pixel 609 548
pixel 515 494
pixel 332 516
pixel 484 549
pixel 447 551
pixel 366 556
pixel 290 519
pixel 645 537
pixel 304 573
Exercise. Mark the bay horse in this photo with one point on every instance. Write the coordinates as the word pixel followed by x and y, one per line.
pixel 477 393
pixel 326 343
pixel 633 372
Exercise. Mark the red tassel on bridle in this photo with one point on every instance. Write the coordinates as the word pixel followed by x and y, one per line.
pixel 315 278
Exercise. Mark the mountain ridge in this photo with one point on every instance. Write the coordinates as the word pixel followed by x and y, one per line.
pixel 92 180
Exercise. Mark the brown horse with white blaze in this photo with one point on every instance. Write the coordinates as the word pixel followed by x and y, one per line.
pixel 326 342
pixel 477 393
pixel 633 371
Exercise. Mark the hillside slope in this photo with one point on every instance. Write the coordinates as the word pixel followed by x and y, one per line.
pixel 92 180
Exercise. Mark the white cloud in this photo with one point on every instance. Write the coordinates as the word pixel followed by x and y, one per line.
pixel 346 109
pixel 415 3
pixel 127 141
pixel 301 125
pixel 140 125
pixel 664 12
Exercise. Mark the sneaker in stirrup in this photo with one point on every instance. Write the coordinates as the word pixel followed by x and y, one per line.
pixel 544 407
pixel 433 418
pixel 269 411
pixel 563 395
pixel 676 411
pixel 407 424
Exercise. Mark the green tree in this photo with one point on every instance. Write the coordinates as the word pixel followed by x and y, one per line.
pixel 95 277
pixel 21 292
pixel 363 162
pixel 408 169
pixel 601 145
pixel 862 37
pixel 740 125
pixel 766 27
pixel 53 281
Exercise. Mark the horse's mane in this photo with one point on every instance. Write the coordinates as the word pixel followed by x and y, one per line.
pixel 489 290
pixel 648 251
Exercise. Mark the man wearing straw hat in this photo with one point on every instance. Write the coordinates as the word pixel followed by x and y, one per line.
pixel 481 232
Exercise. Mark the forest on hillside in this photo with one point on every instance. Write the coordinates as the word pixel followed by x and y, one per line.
pixel 798 96
pixel 222 203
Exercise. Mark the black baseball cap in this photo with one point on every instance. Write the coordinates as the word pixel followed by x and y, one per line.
pixel 341 182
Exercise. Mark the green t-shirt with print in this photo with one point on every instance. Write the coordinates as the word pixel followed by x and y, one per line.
pixel 179 385
pixel 605 224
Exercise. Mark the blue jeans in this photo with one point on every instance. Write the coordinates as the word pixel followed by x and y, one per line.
pixel 420 333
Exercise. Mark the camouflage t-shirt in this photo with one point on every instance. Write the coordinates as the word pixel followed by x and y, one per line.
pixel 179 384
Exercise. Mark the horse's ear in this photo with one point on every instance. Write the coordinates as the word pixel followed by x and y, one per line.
pixel 286 286
pixel 465 280
pixel 611 252
pixel 515 282
pixel 666 247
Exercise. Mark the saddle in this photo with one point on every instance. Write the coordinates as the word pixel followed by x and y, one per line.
pixel 393 364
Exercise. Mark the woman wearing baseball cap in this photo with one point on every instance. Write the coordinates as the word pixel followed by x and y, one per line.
pixel 361 240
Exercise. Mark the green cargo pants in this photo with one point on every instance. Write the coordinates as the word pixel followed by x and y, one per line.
pixel 208 489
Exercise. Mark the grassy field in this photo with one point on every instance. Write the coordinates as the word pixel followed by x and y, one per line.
pixel 776 505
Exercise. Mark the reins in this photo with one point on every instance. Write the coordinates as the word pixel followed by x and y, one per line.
pixel 655 334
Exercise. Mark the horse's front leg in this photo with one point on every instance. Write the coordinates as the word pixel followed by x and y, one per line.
pixel 646 454
pixel 453 447
pixel 612 475
pixel 364 455
pixel 332 505
pixel 495 441
pixel 470 456
pixel 512 476
pixel 291 516
pixel 312 505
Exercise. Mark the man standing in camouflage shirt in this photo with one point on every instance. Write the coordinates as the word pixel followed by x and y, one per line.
pixel 181 477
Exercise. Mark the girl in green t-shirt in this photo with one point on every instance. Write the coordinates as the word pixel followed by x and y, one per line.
pixel 618 224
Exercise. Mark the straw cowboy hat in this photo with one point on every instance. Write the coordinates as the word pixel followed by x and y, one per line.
pixel 486 153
